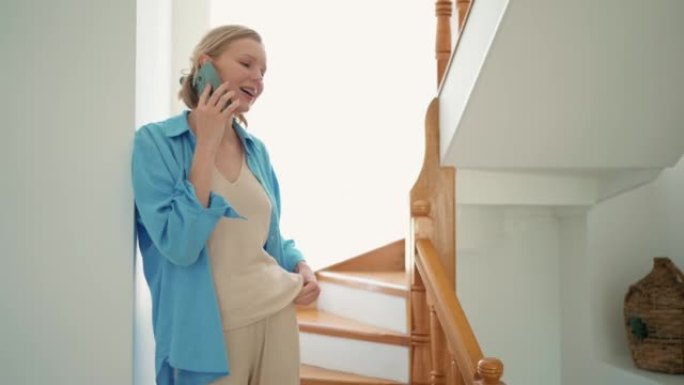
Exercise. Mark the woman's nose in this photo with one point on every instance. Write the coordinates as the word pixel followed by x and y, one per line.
pixel 257 75
pixel 259 80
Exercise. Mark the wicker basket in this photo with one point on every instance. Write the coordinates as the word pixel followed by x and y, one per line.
pixel 654 319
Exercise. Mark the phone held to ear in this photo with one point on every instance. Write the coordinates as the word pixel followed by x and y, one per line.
pixel 206 75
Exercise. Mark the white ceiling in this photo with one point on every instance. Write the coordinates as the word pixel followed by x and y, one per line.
pixel 570 84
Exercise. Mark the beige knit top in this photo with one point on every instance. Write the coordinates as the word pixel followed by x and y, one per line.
pixel 250 285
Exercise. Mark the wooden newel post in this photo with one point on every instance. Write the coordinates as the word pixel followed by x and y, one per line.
pixel 490 370
pixel 420 209
pixel 443 46
pixel 420 332
pixel 422 223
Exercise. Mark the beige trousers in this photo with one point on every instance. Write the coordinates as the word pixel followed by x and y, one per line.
pixel 265 352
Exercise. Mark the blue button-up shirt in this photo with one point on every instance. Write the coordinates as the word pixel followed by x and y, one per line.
pixel 173 230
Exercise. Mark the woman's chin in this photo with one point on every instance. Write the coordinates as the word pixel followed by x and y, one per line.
pixel 243 109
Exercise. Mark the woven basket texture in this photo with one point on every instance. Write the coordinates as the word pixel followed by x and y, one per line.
pixel 654 319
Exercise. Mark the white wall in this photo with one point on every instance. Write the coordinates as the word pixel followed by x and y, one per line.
pixel 623 236
pixel 159 65
pixel 342 113
pixel 66 284
pixel 189 22
pixel 544 289
pixel 507 281
pixel 153 102
pixel 575 295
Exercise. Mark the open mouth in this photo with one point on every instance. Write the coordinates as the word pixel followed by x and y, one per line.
pixel 249 91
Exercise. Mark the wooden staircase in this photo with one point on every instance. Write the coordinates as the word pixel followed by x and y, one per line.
pixel 354 334
pixel 391 316
pixel 313 375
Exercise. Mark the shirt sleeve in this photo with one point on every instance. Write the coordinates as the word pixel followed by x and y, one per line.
pixel 178 225
pixel 291 255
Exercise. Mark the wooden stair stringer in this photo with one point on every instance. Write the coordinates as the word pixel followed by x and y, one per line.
pixel 389 257
pixel 387 282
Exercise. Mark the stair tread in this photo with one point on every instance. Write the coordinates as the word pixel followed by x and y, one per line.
pixel 390 282
pixel 321 322
pixel 317 375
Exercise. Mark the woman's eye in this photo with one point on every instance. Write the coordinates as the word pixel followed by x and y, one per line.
pixel 246 65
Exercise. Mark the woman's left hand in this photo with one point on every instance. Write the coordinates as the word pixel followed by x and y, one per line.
pixel 310 289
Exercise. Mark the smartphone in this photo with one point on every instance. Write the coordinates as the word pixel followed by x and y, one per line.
pixel 206 75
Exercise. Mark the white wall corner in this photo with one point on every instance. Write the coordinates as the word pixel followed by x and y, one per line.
pixel 189 22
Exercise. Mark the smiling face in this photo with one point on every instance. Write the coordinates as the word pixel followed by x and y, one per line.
pixel 243 65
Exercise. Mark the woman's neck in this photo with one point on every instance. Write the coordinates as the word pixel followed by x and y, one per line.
pixel 230 137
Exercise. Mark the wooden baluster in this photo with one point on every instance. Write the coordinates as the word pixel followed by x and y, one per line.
pixel 462 7
pixel 440 361
pixel 490 371
pixel 420 337
pixel 443 45
pixel 455 376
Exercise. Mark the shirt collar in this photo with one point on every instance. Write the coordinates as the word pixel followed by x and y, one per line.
pixel 180 126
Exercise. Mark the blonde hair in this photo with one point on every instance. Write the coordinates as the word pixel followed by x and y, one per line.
pixel 213 44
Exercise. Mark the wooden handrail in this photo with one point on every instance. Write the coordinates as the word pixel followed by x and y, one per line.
pixel 457 330
pixel 451 324
pixel 443 349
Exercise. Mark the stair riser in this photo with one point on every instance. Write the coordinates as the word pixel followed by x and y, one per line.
pixel 373 308
pixel 354 356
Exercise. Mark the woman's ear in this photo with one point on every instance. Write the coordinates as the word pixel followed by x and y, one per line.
pixel 203 59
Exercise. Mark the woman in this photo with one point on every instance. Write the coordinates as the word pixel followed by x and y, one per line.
pixel 223 280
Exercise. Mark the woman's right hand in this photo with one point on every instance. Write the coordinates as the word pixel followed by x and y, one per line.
pixel 212 114
pixel 211 117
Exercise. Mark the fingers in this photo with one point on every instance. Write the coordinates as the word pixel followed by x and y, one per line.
pixel 230 106
pixel 220 97
pixel 224 100
pixel 305 271
pixel 305 296
pixel 310 287
pixel 204 95
pixel 308 294
pixel 213 111
pixel 217 94
pixel 310 290
pixel 308 277
pixel 305 299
